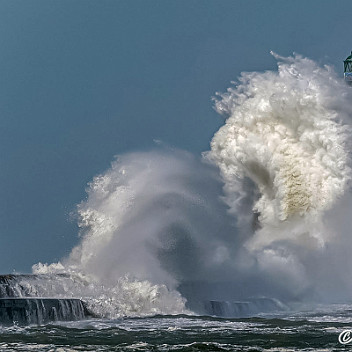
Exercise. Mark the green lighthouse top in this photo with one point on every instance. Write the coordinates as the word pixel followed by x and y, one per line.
pixel 347 69
pixel 348 64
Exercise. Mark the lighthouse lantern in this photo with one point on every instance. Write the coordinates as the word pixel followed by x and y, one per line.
pixel 347 69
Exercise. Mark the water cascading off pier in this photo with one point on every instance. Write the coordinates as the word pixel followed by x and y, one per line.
pixel 20 305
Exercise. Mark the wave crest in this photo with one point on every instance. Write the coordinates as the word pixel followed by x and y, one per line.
pixel 285 131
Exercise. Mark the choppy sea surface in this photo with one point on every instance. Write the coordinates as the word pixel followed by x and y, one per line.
pixel 315 330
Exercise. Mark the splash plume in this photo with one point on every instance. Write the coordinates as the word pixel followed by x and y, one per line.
pixel 286 132
pixel 256 216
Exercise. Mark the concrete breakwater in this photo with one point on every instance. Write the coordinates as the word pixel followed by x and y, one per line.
pixel 29 285
pixel 247 308
pixel 25 311
pixel 19 304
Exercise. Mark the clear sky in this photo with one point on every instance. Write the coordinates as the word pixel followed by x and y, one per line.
pixel 82 81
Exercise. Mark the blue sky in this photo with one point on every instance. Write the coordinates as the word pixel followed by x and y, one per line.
pixel 82 81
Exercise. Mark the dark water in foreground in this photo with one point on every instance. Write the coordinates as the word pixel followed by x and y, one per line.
pixel 305 331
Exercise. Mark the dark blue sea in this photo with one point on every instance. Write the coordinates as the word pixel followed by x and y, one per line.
pixel 315 330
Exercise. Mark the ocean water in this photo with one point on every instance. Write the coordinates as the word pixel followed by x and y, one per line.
pixel 316 330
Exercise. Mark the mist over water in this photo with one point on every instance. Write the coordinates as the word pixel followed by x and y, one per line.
pixel 264 213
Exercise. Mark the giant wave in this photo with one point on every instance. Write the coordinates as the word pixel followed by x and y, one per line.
pixel 264 213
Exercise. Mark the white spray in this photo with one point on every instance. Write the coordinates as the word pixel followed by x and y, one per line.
pixel 160 226
pixel 285 132
pixel 288 132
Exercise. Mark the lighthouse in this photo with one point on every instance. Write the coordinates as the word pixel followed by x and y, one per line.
pixel 347 69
